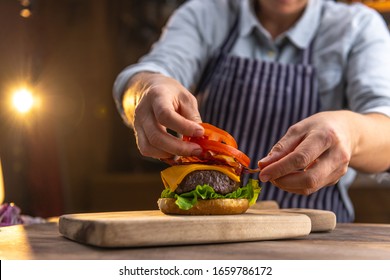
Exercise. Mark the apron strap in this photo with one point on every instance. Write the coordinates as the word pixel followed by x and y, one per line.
pixel 307 54
pixel 226 46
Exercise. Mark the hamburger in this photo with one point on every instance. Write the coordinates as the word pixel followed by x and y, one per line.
pixel 209 184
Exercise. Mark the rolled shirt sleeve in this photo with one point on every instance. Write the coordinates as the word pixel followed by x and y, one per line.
pixel 368 69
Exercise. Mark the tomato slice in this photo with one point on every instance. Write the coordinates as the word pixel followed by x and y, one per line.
pixel 220 142
pixel 221 148
pixel 214 133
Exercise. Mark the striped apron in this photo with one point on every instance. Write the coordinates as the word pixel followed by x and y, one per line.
pixel 257 101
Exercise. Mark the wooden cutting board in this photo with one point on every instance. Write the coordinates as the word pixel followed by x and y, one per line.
pixel 153 228
pixel 321 220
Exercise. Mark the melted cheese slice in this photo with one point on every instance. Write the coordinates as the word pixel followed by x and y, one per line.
pixel 172 176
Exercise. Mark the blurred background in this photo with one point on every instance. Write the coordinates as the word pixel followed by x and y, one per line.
pixel 72 152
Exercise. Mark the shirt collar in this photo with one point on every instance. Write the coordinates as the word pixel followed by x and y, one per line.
pixel 301 34
pixel 248 19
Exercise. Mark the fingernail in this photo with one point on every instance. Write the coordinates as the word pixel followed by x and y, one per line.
pixel 198 132
pixel 265 159
pixel 264 178
pixel 197 152
pixel 260 164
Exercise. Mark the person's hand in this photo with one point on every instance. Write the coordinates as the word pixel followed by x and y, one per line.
pixel 313 153
pixel 164 104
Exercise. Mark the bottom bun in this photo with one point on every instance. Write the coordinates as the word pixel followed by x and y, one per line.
pixel 226 206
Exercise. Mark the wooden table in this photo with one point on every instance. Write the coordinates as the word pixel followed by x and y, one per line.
pixel 347 241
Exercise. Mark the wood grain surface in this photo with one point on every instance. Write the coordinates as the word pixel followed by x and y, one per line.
pixel 321 220
pixel 153 228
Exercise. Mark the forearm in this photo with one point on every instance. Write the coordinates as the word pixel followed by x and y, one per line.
pixel 371 151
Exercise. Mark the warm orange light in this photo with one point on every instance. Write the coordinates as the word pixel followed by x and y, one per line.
pixel 23 100
pixel 25 13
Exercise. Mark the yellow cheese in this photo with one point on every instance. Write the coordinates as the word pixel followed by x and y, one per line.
pixel 172 176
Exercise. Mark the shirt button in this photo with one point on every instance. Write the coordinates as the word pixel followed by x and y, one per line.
pixel 271 54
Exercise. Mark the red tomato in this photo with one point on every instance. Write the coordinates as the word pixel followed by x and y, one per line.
pixel 216 134
pixel 220 142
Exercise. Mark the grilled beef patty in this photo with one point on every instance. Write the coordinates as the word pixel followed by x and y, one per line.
pixel 220 182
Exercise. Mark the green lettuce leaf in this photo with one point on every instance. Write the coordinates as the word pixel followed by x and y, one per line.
pixel 187 200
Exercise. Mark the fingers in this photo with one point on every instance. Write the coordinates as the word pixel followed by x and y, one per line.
pixel 154 141
pixel 146 148
pixel 283 147
pixel 324 171
pixel 313 153
pixel 311 148
pixel 167 106
pixel 182 116
pixel 308 181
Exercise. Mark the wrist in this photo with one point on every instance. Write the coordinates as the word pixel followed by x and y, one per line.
pixel 137 85
pixel 352 123
pixel 370 149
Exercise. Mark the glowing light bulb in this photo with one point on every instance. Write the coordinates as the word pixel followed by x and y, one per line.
pixel 23 100
pixel 25 13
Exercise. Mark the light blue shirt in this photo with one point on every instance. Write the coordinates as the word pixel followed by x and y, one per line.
pixel 351 49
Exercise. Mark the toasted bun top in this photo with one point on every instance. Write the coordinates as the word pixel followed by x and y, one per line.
pixel 223 206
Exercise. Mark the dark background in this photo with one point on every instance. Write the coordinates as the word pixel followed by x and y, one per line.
pixel 73 153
